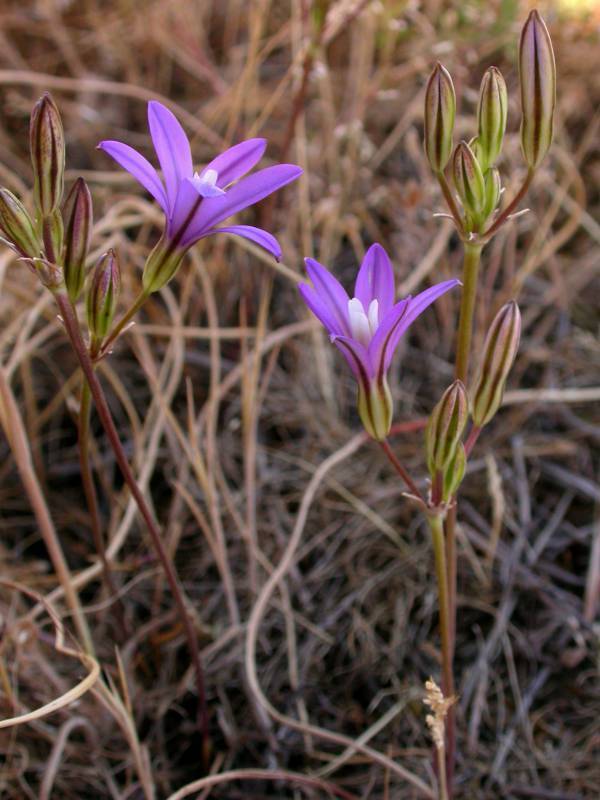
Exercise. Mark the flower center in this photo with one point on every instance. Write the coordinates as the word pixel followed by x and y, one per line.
pixel 206 183
pixel 363 324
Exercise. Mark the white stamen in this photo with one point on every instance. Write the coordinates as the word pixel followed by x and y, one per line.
pixel 207 183
pixel 363 325
pixel 373 315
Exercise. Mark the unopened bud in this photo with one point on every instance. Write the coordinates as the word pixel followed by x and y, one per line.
pixel 454 473
pixel 445 427
pixel 537 74
pixel 78 216
pixel 103 295
pixel 493 188
pixel 376 408
pixel 440 110
pixel 16 226
pixel 47 143
pixel 499 351
pixel 469 182
pixel 161 265
pixel 491 116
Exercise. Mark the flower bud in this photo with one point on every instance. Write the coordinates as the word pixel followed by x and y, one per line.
pixel 376 408
pixel 440 110
pixel 491 116
pixel 16 226
pixel 78 216
pixel 103 295
pixel 493 187
pixel 161 265
pixel 454 473
pixel 47 143
pixel 445 427
pixel 469 182
pixel 499 351
pixel 537 74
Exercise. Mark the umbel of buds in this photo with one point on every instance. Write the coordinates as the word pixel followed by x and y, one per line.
pixel 16 226
pixel 440 110
pixel 491 117
pixel 102 295
pixel 445 427
pixel 78 218
pixel 499 351
pixel 537 74
pixel 47 142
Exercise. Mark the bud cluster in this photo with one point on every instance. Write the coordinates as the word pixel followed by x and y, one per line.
pixel 472 164
pixel 446 453
pixel 55 240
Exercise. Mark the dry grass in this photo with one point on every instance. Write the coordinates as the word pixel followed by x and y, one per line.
pixel 309 573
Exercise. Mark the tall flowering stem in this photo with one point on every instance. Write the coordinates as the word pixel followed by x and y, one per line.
pixel 73 331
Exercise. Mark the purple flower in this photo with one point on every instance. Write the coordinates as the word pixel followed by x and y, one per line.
pixel 196 202
pixel 367 328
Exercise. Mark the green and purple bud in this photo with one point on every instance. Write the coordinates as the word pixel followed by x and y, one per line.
pixel 537 74
pixel 16 226
pixel 499 351
pixel 47 143
pixel 103 295
pixel 493 189
pixel 491 117
pixel 78 215
pixel 440 111
pixel 469 183
pixel 445 428
pixel 454 473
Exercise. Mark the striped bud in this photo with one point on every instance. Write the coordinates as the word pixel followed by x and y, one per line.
pixel 445 427
pixel 493 187
pixel 491 117
pixel 78 217
pixel 161 265
pixel 440 110
pixel 499 351
pixel 47 143
pixel 16 226
pixel 376 408
pixel 537 74
pixel 103 295
pixel 469 182
pixel 454 473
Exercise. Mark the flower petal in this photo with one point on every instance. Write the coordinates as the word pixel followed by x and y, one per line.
pixel 375 280
pixel 248 191
pixel 237 160
pixel 256 235
pixel 357 357
pixel 398 320
pixel 332 294
pixel 138 166
pixel 320 309
pixel 172 147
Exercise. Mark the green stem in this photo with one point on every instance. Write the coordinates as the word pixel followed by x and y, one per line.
pixel 71 324
pixel 441 570
pixel 467 306
pixel 124 321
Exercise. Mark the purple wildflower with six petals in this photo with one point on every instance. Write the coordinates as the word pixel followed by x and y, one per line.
pixel 367 328
pixel 194 203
